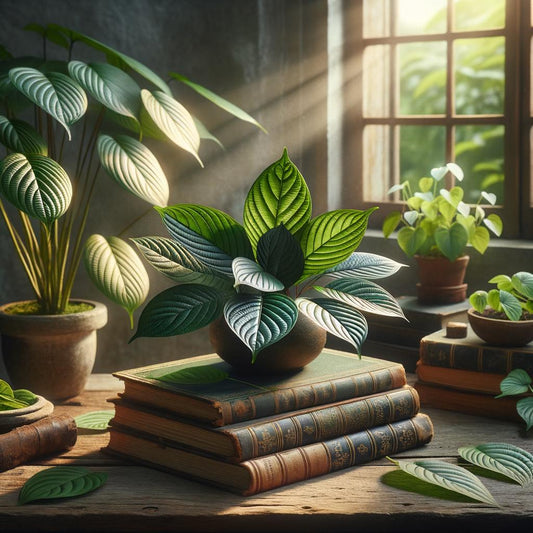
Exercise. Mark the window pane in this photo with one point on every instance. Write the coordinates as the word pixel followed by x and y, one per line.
pixel 479 151
pixel 421 149
pixel 420 16
pixel 376 18
pixel 376 81
pixel 479 75
pixel 422 71
pixel 376 168
pixel 476 15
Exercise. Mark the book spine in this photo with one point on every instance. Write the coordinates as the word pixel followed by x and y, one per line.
pixel 318 459
pixel 326 423
pixel 303 397
pixel 480 358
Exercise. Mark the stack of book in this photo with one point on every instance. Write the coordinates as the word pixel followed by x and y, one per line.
pixel 249 434
pixel 464 374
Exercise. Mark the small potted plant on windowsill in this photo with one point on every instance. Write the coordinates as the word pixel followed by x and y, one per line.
pixel 504 316
pixel 437 227
pixel 260 286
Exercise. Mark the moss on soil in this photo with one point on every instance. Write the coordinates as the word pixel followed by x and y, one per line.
pixel 33 308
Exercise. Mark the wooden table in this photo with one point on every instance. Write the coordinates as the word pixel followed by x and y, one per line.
pixel 136 498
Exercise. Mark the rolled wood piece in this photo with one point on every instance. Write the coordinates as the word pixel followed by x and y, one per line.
pixel 52 434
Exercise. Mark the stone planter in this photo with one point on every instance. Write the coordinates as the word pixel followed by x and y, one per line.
pixel 51 355
pixel 13 418
pixel 499 332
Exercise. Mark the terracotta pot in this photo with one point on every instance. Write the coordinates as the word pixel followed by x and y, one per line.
pixel 51 355
pixel 13 418
pixel 501 332
pixel 441 280
pixel 298 348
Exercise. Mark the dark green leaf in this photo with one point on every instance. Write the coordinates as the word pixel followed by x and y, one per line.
pixel 249 273
pixel 524 408
pixel 516 382
pixel 19 136
pixel 25 396
pixel 451 242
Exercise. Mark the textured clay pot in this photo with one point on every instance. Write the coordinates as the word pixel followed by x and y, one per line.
pixel 441 280
pixel 298 348
pixel 499 332
pixel 51 355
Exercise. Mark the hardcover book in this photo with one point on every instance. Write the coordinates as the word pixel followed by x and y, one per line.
pixel 246 440
pixel 333 376
pixel 471 353
pixel 275 470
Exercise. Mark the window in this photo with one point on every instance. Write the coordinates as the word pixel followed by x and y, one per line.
pixel 432 81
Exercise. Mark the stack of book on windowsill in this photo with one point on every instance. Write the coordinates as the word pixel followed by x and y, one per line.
pixel 464 374
pixel 252 434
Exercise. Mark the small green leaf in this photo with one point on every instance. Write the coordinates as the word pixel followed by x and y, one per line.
pixel 478 300
pixel 494 223
pixel 506 459
pixel 502 282
pixel 410 240
pixel 60 482
pixel 425 184
pixel 25 396
pixel 480 239
pixel 194 375
pixel 439 173
pixel 516 382
pixel 5 389
pixel 451 242
pixel 391 223
pixel 448 476
pixel 510 305
pixel 95 420
pixel 524 408
pixel 523 283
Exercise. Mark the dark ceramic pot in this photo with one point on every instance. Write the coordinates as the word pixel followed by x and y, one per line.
pixel 441 280
pixel 501 332
pixel 298 348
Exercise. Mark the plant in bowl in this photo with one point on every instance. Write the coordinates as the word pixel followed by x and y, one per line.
pixel 436 228
pixel 64 124
pixel 504 315
pixel 261 286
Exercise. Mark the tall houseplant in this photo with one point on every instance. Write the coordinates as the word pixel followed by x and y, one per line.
pixel 436 227
pixel 63 124
pixel 271 288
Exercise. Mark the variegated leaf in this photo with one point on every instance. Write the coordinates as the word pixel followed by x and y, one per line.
pixel 57 94
pixel 365 265
pixel 248 272
pixel 36 185
pixel 117 271
pixel 173 120
pixel 260 320
pixel 19 136
pixel 175 262
pixel 337 318
pixel 134 167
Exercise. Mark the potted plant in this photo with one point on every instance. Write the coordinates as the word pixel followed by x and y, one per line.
pixel 259 285
pixel 504 316
pixel 61 123
pixel 436 227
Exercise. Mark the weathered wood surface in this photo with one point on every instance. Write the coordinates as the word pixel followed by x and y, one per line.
pixel 365 498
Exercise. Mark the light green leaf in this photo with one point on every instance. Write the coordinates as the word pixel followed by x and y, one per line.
pixel 180 309
pixel 502 282
pixel 448 476
pixel 178 264
pixel 109 85
pixel 453 196
pixel 278 196
pixel 117 271
pixel 493 299
pixel 391 223
pixel 133 166
pixel 425 184
pixel 523 283
pixel 331 238
pixel 218 100
pixel 439 173
pixel 60 482
pixel 506 459
pixel 57 94
pixel 193 375
pixel 524 407
pixel 260 320
pixel 173 120
pixel 19 136
pixel 451 242
pixel 248 272
pixel 410 240
pixel 478 300
pixel 25 396
pixel 365 265
pixel 510 305
pixel 337 318
pixel 516 382
pixel 205 133
pixel 95 420
pixel 36 185
pixel 5 389
pixel 480 239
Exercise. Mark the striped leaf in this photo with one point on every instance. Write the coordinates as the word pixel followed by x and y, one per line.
pixel 95 420
pixel 249 273
pixel 506 459
pixel 331 238
pixel 516 382
pixel 178 264
pixel 36 185
pixel 278 196
pixel 173 120
pixel 337 318
pixel 180 309
pixel 365 265
pixel 524 407
pixel 363 295
pixel 19 136
pixel 117 271
pixel 109 85
pixel 260 320
pixel 133 166
pixel 57 94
